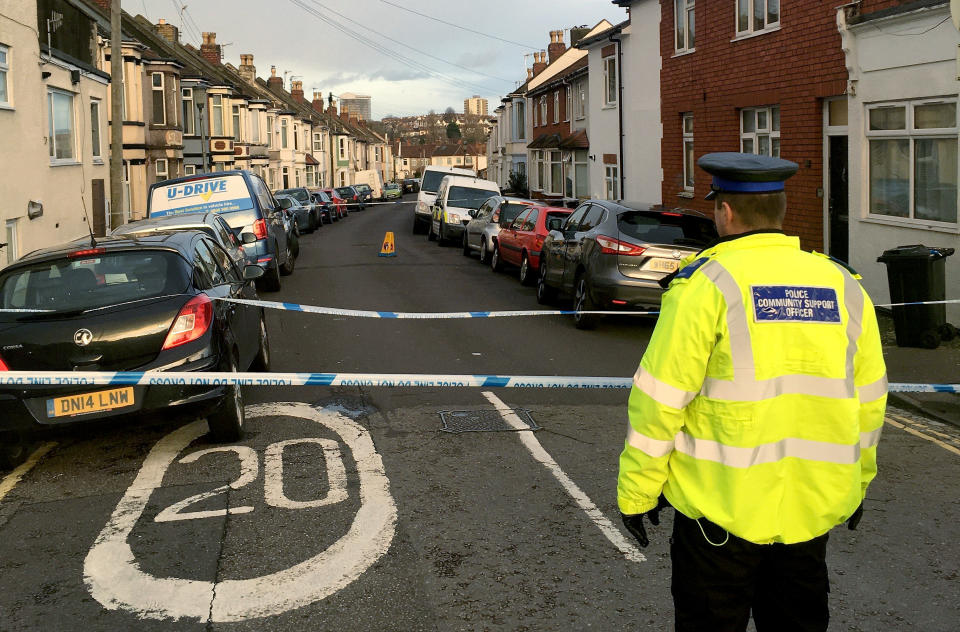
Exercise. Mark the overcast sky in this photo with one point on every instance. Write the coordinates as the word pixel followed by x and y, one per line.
pixel 401 80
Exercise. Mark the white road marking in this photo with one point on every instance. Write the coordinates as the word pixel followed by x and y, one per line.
pixel 273 475
pixel 528 439
pixel 114 578
pixel 249 467
pixel 10 480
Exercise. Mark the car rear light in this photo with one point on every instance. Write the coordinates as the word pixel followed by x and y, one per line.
pixel 611 246
pixel 260 229
pixel 267 259
pixel 617 301
pixel 192 322
pixel 538 242
pixel 86 252
pixel 3 365
pixel 671 214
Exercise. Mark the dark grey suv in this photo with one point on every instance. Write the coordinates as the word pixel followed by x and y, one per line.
pixel 612 255
pixel 302 195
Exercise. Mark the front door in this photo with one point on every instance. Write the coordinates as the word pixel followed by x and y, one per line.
pixel 839 201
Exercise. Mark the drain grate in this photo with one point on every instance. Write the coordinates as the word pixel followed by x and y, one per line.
pixel 457 421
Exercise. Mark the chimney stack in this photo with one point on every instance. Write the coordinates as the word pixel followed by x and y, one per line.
pixel 317 102
pixel 209 49
pixel 247 70
pixel 529 74
pixel 275 83
pixel 539 62
pixel 557 47
pixel 104 4
pixel 167 31
pixel 331 108
pixel 296 91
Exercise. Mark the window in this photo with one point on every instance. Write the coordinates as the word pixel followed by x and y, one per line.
pixel 688 166
pixel 760 131
pixel 538 158
pixel 4 69
pixel 556 172
pixel 543 110
pixel 159 103
pixel 520 124
pixel 285 177
pixel 311 176
pixel 296 137
pixel 556 106
pixel 236 122
pixel 581 174
pixel 216 114
pixel 683 15
pixel 254 126
pixel 317 142
pixel 270 132
pixel 610 81
pixel 592 220
pixel 581 99
pixel 342 145
pixel 162 169
pixel 188 123
pixel 611 182
pixel 913 160
pixel 296 177
pixel 62 140
pixel 754 16
pixel 283 133
pixel 12 247
pixel 95 146
pixel 189 170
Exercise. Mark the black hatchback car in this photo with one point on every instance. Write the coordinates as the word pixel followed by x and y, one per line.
pixel 612 255
pixel 126 303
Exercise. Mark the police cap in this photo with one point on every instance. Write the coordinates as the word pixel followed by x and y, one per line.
pixel 745 173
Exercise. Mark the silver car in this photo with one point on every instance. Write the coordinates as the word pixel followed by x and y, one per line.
pixel 210 223
pixel 484 227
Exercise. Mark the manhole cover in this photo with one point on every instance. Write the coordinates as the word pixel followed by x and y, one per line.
pixel 483 421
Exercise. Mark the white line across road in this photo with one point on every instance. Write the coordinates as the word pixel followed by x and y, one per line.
pixel 529 441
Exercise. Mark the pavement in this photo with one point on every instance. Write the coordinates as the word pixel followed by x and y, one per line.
pixel 923 366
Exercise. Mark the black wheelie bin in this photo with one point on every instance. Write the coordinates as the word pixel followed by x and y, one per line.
pixel 917 274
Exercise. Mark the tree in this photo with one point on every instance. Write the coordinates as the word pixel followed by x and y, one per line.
pixel 449 115
pixel 453 130
pixel 518 183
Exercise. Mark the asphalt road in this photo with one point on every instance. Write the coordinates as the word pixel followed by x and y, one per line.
pixel 349 508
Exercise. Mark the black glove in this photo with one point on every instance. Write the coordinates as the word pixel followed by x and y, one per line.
pixel 634 523
pixel 854 520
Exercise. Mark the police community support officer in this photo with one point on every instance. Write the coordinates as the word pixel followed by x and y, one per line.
pixel 755 412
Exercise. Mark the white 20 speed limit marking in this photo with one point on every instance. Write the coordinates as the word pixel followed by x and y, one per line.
pixel 115 579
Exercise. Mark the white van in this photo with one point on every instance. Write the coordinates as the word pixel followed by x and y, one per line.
pixel 429 184
pixel 372 179
pixel 457 197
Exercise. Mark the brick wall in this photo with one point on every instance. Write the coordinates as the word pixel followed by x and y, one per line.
pixel 561 127
pixel 795 68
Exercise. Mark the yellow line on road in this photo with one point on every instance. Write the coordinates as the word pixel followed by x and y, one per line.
pixel 904 424
pixel 10 480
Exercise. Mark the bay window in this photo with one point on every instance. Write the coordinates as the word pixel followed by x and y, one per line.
pixel 159 103
pixel 216 114
pixel 188 122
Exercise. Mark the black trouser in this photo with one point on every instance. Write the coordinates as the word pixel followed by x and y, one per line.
pixel 715 587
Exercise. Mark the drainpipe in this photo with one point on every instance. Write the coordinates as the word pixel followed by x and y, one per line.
pixel 616 38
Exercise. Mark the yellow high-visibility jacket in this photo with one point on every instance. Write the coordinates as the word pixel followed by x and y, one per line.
pixel 760 399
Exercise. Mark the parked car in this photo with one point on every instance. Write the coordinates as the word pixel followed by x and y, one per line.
pixel 392 191
pixel 141 302
pixel 210 223
pixel 483 228
pixel 302 195
pixel 293 241
pixel 456 197
pixel 366 193
pixel 411 185
pixel 325 205
pixel 339 203
pixel 427 195
pixel 302 214
pixel 244 201
pixel 611 255
pixel 369 179
pixel 352 196
pixel 521 243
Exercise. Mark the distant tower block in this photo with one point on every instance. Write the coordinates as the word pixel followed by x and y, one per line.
pixel 475 105
pixel 358 105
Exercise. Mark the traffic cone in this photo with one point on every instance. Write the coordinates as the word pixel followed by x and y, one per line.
pixel 388 249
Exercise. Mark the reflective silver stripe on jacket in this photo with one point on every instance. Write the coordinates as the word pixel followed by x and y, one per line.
pixel 741 457
pixel 873 391
pixel 745 387
pixel 661 392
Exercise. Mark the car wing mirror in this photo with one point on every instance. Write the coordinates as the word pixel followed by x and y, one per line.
pixel 248 238
pixel 252 273
pixel 472 213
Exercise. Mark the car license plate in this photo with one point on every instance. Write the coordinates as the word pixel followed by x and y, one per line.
pixel 87 403
pixel 663 265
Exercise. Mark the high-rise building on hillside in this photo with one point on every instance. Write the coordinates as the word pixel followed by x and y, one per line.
pixel 475 105
pixel 358 104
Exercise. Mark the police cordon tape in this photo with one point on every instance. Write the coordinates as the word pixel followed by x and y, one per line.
pixel 389 380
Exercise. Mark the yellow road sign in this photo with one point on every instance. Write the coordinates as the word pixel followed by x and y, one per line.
pixel 388 249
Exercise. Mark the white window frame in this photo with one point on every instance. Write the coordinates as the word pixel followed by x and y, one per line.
pixel 910 133
pixel 236 117
pixel 164 173
pixel 554 157
pixel 284 128
pixel 154 89
pixel 13 240
pixel 189 170
pixel 317 141
pixel 216 114
pixel 770 130
pixel 569 103
pixel 611 182
pixel 271 121
pixel 751 26
pixel 556 106
pixel 189 123
pixel 96 131
pixel 543 110
pixel 254 116
pixel 684 26
pixel 610 85
pixel 581 100
pixel 686 129
pixel 7 102
pixel 52 141
pixel 342 148
pixel 520 109
pixel 542 172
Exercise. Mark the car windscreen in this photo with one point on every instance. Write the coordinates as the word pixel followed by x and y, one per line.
pixel 468 197
pixel 97 280
pixel 323 197
pixel 224 194
pixel 392 187
pixel 669 229
pixel 510 210
pixel 364 188
pixel 299 195
pixel 345 192
pixel 285 202
pixel 431 181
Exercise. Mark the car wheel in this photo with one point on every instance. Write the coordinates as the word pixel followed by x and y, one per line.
pixel 466 245
pixel 484 254
pixel 315 222
pixel 526 275
pixel 13 450
pixel 226 420
pixel 261 363
pixel 496 263
pixel 292 251
pixel 270 281
pixel 583 303
pixel 545 293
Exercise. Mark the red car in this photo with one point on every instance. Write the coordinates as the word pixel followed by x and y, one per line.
pixel 520 244
pixel 339 201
